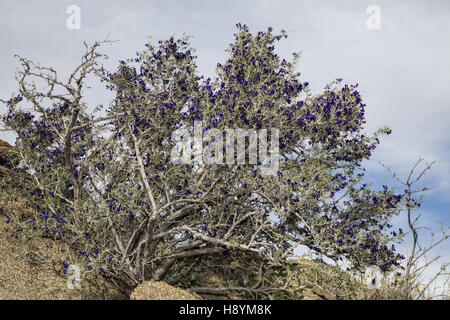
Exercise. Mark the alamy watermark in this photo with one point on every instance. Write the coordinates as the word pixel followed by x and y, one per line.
pixel 74 280
pixel 73 21
pixel 229 146
pixel 374 278
pixel 374 20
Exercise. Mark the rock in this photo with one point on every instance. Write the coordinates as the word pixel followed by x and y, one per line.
pixel 322 293
pixel 3 171
pixel 5 148
pixel 317 293
pixel 157 290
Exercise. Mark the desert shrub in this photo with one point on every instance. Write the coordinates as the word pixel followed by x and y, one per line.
pixel 103 178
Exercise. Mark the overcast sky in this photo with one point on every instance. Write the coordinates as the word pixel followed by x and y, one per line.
pixel 403 68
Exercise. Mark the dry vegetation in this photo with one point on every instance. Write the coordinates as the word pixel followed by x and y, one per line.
pixel 33 270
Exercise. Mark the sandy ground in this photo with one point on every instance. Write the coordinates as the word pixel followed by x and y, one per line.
pixel 156 290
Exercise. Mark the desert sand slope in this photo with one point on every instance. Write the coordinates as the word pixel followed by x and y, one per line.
pixel 27 273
